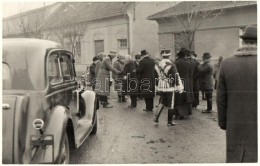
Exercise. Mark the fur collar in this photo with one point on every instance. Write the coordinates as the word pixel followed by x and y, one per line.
pixel 247 50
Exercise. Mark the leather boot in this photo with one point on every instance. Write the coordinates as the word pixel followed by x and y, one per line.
pixel 119 98
pixel 123 98
pixel 170 116
pixel 107 105
pixel 158 113
pixel 209 105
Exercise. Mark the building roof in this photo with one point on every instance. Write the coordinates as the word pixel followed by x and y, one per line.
pixel 187 7
pixel 74 12
pixel 31 19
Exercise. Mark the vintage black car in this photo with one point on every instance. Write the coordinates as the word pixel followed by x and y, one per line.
pixel 45 110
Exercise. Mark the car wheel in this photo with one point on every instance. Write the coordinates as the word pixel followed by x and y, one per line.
pixel 65 151
pixel 94 130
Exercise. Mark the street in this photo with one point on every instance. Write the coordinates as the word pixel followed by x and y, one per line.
pixel 128 136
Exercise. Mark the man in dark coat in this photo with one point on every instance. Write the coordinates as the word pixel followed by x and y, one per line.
pixel 216 71
pixel 145 76
pixel 206 71
pixel 92 72
pixel 183 101
pixel 195 65
pixel 237 100
pixel 137 59
pixel 130 85
pixel 103 79
pixel 193 78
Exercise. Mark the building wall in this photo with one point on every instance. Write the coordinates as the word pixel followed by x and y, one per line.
pixel 109 30
pixel 219 37
pixel 145 32
pixel 219 42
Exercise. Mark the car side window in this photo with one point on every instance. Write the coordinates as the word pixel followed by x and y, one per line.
pixel 66 67
pixel 54 73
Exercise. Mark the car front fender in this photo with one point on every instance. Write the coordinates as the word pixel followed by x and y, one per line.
pixel 56 127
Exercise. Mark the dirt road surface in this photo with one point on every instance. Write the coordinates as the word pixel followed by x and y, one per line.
pixel 129 136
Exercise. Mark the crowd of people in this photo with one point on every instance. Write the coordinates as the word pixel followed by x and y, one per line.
pixel 178 83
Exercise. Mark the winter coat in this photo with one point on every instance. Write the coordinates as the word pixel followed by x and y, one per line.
pixel 118 78
pixel 92 73
pixel 184 68
pixel 103 77
pixel 168 77
pixel 130 85
pixel 145 77
pixel 206 75
pixel 98 64
pixel 196 83
pixel 237 104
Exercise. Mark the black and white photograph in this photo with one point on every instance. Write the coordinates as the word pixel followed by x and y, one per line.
pixel 129 82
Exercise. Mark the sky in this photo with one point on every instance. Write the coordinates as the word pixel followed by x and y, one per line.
pixel 12 8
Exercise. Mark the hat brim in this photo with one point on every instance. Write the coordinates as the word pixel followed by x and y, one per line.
pixel 166 54
pixel 112 54
pixel 251 37
pixel 206 57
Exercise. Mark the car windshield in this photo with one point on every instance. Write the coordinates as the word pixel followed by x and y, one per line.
pixel 23 68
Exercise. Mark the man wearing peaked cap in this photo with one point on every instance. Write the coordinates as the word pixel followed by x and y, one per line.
pixel 237 100
pixel 165 53
pixel 168 82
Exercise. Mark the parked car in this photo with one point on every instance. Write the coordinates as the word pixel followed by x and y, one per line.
pixel 45 111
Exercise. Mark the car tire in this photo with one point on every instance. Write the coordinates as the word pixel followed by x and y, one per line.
pixel 94 130
pixel 65 151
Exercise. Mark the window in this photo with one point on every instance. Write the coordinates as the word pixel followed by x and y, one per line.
pixel 66 67
pixel 54 73
pixel 122 43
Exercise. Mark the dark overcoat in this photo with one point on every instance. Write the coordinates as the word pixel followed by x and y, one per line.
pixel 103 77
pixel 206 75
pixel 237 104
pixel 195 81
pixel 185 71
pixel 130 85
pixel 92 73
pixel 97 67
pixel 145 77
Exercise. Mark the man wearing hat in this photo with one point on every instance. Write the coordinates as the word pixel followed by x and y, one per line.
pixel 206 82
pixel 237 100
pixel 145 77
pixel 102 87
pixel 119 65
pixel 168 82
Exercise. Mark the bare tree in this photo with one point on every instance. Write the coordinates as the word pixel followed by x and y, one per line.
pixel 31 26
pixel 71 31
pixel 74 32
pixel 188 23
